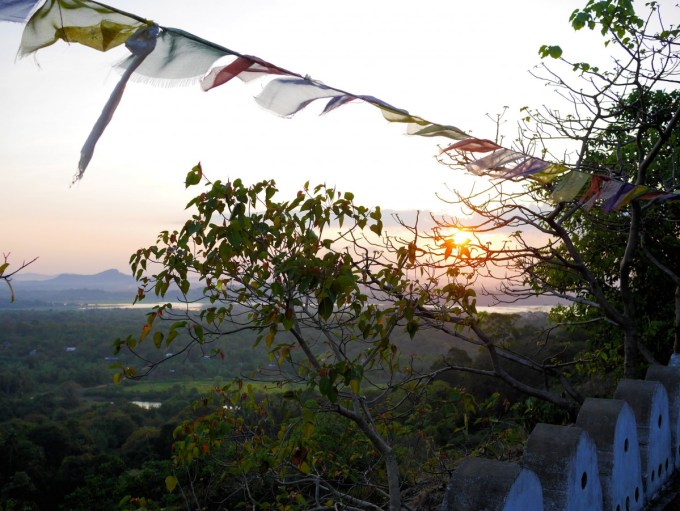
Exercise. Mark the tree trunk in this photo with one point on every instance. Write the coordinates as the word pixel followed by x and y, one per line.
pixel 631 348
pixel 392 469
pixel 366 425
pixel 632 362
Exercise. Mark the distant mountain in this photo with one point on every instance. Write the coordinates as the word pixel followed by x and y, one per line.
pixel 109 280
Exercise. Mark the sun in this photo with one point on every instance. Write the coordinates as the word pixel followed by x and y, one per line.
pixel 456 236
pixel 455 241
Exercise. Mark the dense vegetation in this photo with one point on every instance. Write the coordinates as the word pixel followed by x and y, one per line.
pixel 69 440
pixel 72 440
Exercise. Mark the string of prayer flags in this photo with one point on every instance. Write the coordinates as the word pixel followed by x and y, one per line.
pixel 502 163
pixel 170 56
pixel 287 96
pixel 180 57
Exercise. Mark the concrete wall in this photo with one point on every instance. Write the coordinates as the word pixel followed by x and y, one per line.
pixel 619 456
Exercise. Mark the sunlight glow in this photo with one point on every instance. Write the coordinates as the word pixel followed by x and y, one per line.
pixel 458 237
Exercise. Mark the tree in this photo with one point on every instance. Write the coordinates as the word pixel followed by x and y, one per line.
pixel 602 247
pixel 652 295
pixel 270 267
pixel 328 293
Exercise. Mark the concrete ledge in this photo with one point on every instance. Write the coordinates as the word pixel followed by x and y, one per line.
pixel 620 456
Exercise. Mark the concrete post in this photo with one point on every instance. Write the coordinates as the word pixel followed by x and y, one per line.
pixel 490 485
pixel 670 379
pixel 565 460
pixel 649 402
pixel 611 424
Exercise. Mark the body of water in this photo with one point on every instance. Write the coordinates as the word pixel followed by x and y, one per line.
pixel 515 309
pixel 147 405
pixel 143 305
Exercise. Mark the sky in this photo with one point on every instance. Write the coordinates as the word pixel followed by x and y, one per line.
pixel 449 61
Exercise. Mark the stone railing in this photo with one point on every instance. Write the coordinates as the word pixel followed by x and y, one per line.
pixel 619 456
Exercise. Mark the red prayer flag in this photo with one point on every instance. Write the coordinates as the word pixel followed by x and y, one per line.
pixel 473 145
pixel 243 64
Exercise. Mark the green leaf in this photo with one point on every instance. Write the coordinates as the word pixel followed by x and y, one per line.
pixel 194 176
pixel 325 386
pixel 333 395
pixel 158 339
pixel 199 333
pixel 412 328
pixel 326 307
pixel 171 483
pixel 307 429
pixel 580 19
pixel 355 385
pixel 310 404
pixel 184 286
pixel 550 51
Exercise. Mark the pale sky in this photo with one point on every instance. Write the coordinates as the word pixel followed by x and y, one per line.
pixel 449 61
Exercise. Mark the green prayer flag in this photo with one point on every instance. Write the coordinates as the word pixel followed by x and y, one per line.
pixel 570 186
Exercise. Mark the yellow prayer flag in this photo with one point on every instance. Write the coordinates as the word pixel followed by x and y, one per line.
pixel 101 37
pixel 437 130
pixel 548 174
pixel 394 115
pixel 419 126
pixel 77 21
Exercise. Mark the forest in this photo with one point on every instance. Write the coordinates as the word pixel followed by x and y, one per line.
pixel 71 439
